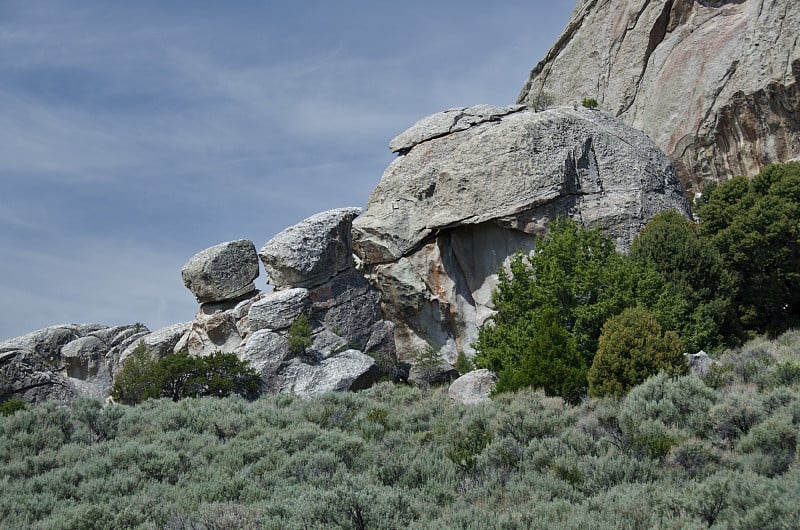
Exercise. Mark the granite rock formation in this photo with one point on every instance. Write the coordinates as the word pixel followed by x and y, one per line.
pixel 472 186
pixel 311 267
pixel 64 362
pixel 713 83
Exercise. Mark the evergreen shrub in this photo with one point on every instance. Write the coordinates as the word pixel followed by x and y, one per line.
pixel 632 348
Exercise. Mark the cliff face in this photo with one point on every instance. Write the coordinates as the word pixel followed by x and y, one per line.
pixel 714 83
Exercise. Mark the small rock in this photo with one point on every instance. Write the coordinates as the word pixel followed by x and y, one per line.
pixel 699 363
pixel 473 387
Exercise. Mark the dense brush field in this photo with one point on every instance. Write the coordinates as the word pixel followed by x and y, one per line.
pixel 674 453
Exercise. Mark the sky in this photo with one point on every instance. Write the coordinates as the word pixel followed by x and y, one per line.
pixel 136 134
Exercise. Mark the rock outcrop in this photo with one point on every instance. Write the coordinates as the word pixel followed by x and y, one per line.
pixel 311 267
pixel 64 362
pixel 714 83
pixel 222 272
pixel 472 186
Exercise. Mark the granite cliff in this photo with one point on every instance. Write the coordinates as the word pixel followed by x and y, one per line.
pixel 713 83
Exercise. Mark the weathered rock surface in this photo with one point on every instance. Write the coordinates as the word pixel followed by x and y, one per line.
pixel 279 310
pixel 473 387
pixel 159 343
pixel 348 306
pixel 312 266
pixel 447 122
pixel 222 272
pixel 219 326
pixel 451 208
pixel 311 252
pixel 267 352
pixel 349 370
pixel 714 83
pixel 63 362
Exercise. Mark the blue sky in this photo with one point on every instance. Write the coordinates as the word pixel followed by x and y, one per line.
pixel 136 134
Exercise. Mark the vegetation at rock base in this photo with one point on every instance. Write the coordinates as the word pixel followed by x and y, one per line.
pixel 463 364
pixel 427 365
pixel 178 376
pixel 550 307
pixel 733 275
pixel 685 282
pixel 10 406
pixel 589 103
pixel 673 453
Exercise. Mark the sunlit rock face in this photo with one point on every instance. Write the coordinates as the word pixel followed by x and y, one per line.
pixel 713 83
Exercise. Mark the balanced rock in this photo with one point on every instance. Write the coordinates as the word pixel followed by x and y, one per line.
pixel 473 387
pixel 222 272
pixel 454 206
pixel 715 84
pixel 311 252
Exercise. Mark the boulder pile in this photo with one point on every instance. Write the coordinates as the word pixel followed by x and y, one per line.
pixel 310 265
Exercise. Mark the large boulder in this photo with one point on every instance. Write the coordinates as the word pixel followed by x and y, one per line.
pixel 267 353
pixel 304 375
pixel 311 252
pixel 64 362
pixel 460 199
pixel 715 84
pixel 222 272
